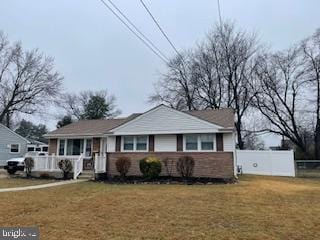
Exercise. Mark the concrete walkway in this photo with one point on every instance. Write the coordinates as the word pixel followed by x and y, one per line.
pixel 41 186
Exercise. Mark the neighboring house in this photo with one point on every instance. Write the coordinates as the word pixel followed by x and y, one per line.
pixel 12 145
pixel 207 135
pixel 37 146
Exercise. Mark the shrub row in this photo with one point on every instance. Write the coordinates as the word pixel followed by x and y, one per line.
pixel 150 167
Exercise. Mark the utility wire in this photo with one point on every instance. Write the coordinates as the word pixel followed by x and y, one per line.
pixel 141 38
pixel 138 30
pixel 219 12
pixel 160 28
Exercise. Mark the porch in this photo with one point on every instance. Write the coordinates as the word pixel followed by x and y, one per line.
pixel 50 164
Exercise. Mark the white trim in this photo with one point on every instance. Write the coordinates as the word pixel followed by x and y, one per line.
pixel 73 136
pixel 134 143
pixel 19 148
pixel 209 130
pixel 169 109
pixel 199 143
pixel 1 125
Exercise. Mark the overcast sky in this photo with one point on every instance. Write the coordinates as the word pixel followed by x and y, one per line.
pixel 93 50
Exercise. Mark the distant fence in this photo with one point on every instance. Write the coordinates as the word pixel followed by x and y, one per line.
pixel 273 163
pixel 308 168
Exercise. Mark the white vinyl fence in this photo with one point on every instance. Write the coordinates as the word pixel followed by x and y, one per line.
pixel 273 163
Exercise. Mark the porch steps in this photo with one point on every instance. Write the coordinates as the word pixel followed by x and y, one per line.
pixel 86 175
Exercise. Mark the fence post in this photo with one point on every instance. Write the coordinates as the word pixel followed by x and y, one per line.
pixel 96 163
pixel 52 162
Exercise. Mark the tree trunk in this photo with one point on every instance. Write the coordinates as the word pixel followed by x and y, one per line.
pixel 317 141
pixel 239 135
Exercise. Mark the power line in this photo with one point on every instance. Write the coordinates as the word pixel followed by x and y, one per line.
pixel 219 12
pixel 138 30
pixel 163 58
pixel 160 28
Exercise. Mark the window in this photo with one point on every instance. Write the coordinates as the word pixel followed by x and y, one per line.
pixel 38 149
pixel 88 148
pixel 192 142
pixel 141 143
pixel 206 141
pixel 14 148
pixel 128 143
pixel 74 147
pixel 61 147
pixel 44 149
pixel 30 149
pixel 199 142
pixel 135 143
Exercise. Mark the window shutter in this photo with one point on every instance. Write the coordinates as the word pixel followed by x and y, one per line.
pixel 151 143
pixel 219 137
pixel 179 142
pixel 118 143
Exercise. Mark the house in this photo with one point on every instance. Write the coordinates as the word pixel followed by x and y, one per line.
pixel 37 146
pixel 206 135
pixel 12 145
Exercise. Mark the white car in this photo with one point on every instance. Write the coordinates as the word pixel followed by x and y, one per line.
pixel 17 164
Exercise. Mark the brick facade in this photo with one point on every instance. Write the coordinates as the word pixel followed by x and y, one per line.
pixel 53 144
pixel 213 165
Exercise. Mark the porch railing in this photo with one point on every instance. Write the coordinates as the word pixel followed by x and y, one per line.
pixel 51 163
pixel 100 163
pixel 77 167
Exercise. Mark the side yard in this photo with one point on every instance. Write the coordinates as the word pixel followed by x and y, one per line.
pixel 256 208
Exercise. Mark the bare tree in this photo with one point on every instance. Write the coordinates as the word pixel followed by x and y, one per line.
pixel 27 80
pixel 74 105
pixel 177 87
pixel 280 96
pixel 311 53
pixel 217 74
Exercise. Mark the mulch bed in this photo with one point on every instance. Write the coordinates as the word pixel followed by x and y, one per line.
pixel 167 180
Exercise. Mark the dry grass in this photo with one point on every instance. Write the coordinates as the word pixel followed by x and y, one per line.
pixel 19 182
pixel 256 208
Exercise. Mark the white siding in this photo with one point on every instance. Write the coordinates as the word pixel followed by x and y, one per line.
pixel 164 120
pixel 111 144
pixel 8 137
pixel 165 143
pixel 228 142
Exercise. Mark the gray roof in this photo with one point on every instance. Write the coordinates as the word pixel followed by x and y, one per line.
pixel 221 117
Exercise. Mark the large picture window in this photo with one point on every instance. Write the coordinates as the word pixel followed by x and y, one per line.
pixel 199 142
pixel 75 147
pixel 135 143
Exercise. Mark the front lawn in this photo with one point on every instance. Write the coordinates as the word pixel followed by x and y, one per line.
pixel 256 208
pixel 10 182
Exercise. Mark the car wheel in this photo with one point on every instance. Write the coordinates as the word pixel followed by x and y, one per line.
pixel 11 171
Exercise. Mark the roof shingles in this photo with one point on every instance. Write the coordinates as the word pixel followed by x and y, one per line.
pixel 221 117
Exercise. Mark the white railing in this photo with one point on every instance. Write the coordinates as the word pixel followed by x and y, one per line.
pixel 77 167
pixel 50 163
pixel 100 163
